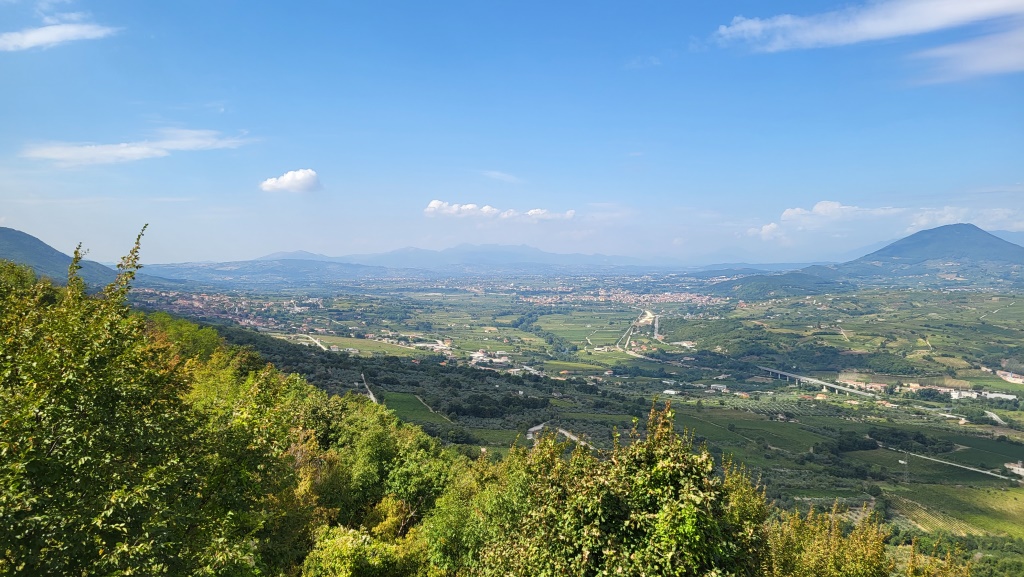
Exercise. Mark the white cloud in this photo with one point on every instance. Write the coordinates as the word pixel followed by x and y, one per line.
pixel 770 231
pixel 502 176
pixel 986 218
pixel 302 180
pixel 52 35
pixel 64 17
pixel 992 53
pixel 442 208
pixel 809 227
pixel 1000 53
pixel 872 21
pixel 169 140
pixel 545 214
pixel 826 212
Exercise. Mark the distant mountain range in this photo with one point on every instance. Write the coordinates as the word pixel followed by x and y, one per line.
pixel 281 273
pixel 958 255
pixel 465 255
pixel 483 258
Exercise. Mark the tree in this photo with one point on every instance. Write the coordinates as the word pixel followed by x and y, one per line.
pixel 656 507
pixel 815 545
pixel 105 468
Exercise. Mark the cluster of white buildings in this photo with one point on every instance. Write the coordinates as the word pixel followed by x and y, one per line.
pixel 953 393
pixel 963 394
pixel 486 357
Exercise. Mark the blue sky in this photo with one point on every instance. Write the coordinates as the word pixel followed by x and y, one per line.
pixel 765 132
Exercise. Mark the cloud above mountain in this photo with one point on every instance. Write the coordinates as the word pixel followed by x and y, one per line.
pixel 440 208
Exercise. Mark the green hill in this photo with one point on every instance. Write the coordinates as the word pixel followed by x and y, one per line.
pixel 951 255
pixel 46 261
pixel 758 287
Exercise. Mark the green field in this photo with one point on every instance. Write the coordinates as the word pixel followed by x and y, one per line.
pixel 962 508
pixel 554 367
pixel 782 432
pixel 408 408
pixel 366 347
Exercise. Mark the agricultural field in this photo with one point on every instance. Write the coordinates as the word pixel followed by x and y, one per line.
pixel 411 409
pixel 928 334
pixel 961 509
pixel 808 447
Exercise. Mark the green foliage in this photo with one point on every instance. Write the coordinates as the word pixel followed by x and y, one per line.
pixel 816 545
pixel 190 340
pixel 342 552
pixel 104 466
pixel 654 507
pixel 135 445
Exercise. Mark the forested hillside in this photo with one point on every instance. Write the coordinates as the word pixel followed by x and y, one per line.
pixel 144 445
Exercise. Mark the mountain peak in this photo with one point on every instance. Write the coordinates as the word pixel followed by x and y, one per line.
pixel 958 242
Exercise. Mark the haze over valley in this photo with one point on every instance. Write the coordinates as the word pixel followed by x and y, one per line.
pixel 523 288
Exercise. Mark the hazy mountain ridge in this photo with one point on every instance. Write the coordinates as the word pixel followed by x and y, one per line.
pixel 796 283
pixel 461 255
pixel 960 255
pixel 46 261
pixel 285 272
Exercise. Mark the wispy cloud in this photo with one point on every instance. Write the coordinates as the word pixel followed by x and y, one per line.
pixel 873 21
pixel 1000 53
pixel 502 176
pixel 62 17
pixel 52 35
pixel 168 140
pixel 58 28
pixel 302 180
pixel 538 214
pixel 995 52
pixel 442 208
pixel 987 218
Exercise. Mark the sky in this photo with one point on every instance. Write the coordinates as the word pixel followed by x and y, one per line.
pixel 784 131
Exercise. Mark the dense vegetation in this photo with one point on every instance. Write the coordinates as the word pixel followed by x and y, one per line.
pixel 145 446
